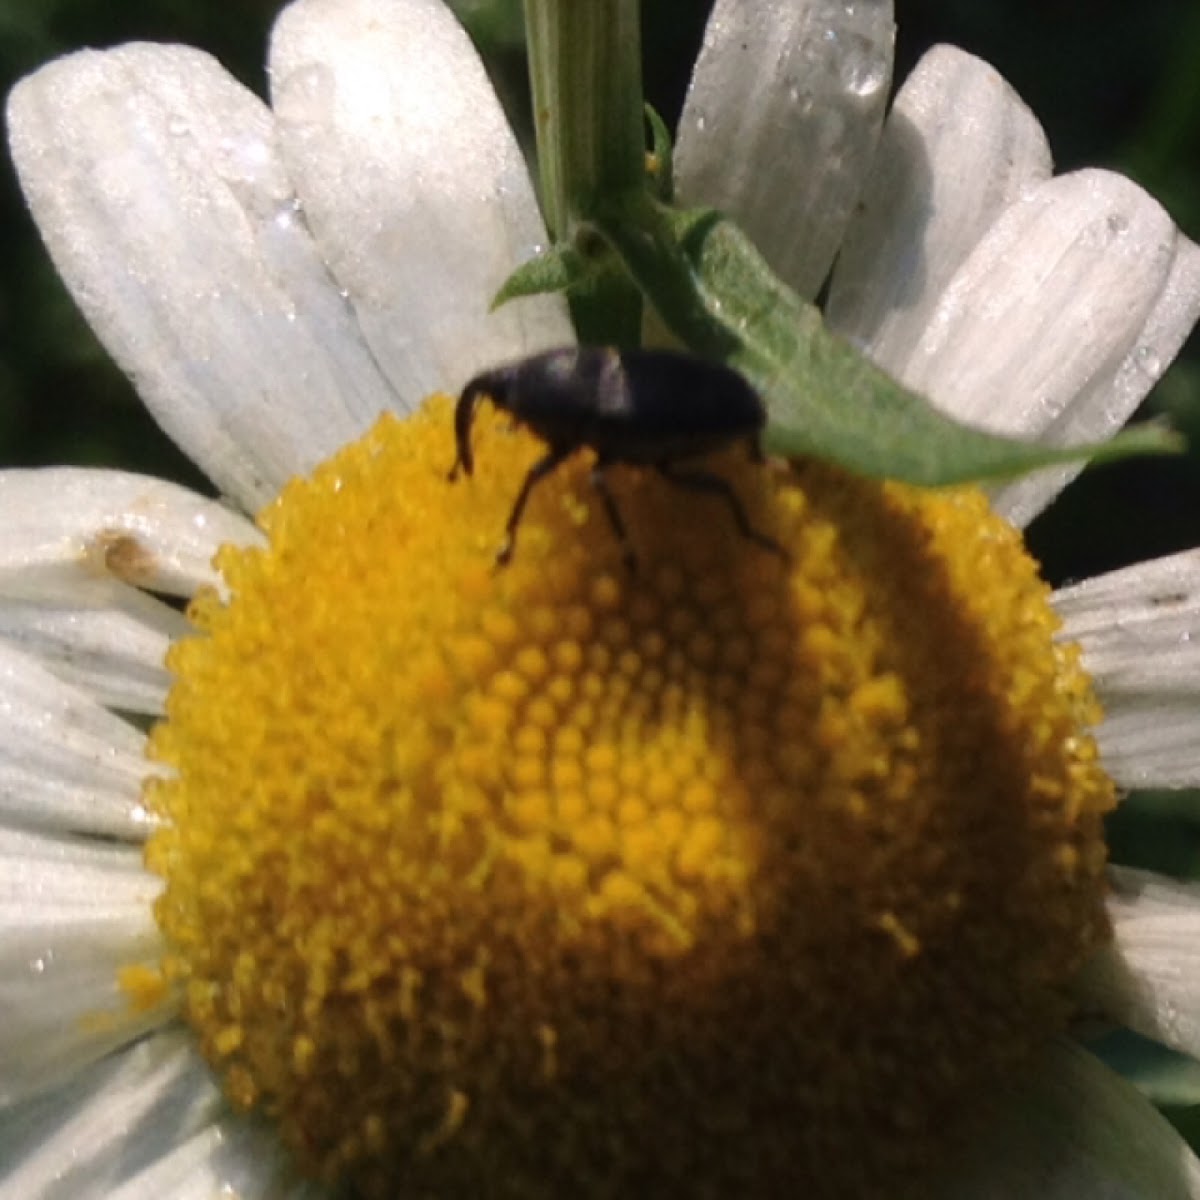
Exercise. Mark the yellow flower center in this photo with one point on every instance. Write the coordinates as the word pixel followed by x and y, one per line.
pixel 727 877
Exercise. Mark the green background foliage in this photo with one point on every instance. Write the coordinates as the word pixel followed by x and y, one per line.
pixel 1115 85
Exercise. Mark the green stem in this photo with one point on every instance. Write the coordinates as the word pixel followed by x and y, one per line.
pixel 586 73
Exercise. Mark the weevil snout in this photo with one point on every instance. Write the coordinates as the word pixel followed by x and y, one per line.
pixel 464 417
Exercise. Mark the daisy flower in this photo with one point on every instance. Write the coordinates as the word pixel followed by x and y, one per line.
pixel 729 876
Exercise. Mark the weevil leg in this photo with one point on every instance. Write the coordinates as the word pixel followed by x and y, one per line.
pixel 714 485
pixel 600 483
pixel 539 470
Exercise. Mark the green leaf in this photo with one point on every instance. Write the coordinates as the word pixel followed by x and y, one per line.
pixel 558 269
pixel 606 309
pixel 714 292
pixel 494 25
pixel 661 169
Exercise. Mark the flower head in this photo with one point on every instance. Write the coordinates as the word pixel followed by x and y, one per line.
pixel 486 872
pixel 730 874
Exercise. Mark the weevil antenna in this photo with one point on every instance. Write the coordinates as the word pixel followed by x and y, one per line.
pixel 464 415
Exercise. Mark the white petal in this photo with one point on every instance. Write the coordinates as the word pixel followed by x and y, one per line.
pixel 1139 629
pixel 1061 319
pixel 1100 412
pixel 48 875
pixel 957 148
pixel 71 532
pixel 66 764
pixel 1074 1130
pixel 781 121
pixel 235 1157
pixel 71 916
pixel 75 548
pixel 155 181
pixel 109 1124
pixel 1151 741
pixel 114 654
pixel 1149 978
pixel 1082 254
pixel 413 183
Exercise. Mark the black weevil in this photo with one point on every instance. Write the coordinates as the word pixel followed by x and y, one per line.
pixel 647 408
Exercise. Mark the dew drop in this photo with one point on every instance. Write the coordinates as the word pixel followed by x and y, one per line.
pixel 862 69
pixel 1148 361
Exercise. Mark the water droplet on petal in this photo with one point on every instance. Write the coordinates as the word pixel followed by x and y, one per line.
pixel 1148 361
pixel 862 68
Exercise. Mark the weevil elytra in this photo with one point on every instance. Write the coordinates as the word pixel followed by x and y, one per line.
pixel 646 408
